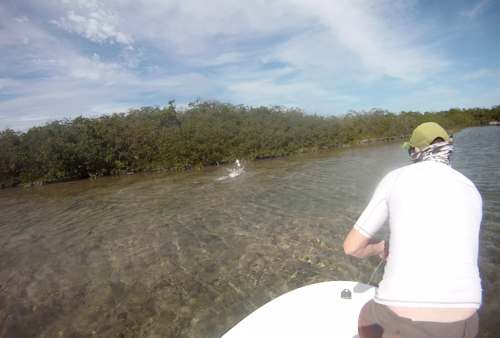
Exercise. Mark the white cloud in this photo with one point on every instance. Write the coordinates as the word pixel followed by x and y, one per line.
pixel 22 19
pixel 223 32
pixel 435 91
pixel 23 41
pixel 225 59
pixel 473 13
pixel 379 36
pixel 482 73
pixel 96 23
pixel 108 109
pixel 34 118
pixel 90 4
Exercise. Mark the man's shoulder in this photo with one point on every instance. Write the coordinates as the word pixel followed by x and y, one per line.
pixel 396 172
pixel 425 169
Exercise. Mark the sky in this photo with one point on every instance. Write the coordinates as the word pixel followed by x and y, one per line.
pixel 65 58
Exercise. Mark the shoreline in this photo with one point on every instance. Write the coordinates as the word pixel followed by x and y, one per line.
pixel 12 185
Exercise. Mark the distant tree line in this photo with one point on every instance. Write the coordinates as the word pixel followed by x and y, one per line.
pixel 205 133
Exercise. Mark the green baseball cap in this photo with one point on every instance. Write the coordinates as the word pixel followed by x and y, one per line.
pixel 425 133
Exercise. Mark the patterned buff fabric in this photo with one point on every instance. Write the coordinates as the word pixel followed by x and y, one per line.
pixel 439 152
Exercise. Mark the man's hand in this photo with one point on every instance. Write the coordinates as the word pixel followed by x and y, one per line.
pixel 385 253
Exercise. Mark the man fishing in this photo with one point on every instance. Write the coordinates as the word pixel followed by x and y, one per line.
pixel 431 285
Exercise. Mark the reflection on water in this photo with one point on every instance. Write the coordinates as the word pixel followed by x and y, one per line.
pixel 190 254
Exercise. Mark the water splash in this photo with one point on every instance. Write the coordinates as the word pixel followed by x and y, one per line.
pixel 235 171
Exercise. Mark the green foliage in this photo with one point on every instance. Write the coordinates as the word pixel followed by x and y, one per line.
pixel 206 133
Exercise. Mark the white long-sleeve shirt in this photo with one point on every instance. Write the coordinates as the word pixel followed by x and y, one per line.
pixel 434 217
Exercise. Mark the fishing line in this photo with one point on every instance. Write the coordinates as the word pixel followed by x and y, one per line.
pixel 373 274
pixel 379 176
pixel 361 164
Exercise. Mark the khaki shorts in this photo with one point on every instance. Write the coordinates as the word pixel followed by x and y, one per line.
pixel 378 321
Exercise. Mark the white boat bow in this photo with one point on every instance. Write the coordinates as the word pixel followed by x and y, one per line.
pixel 316 310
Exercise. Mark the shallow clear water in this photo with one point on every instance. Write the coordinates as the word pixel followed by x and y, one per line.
pixel 190 254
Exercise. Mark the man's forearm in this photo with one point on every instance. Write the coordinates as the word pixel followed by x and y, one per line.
pixel 374 247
